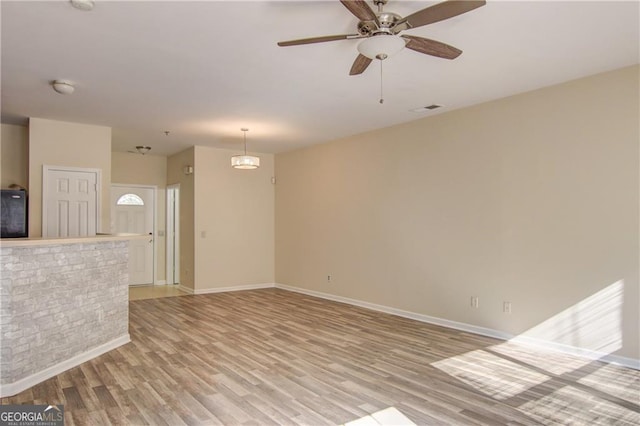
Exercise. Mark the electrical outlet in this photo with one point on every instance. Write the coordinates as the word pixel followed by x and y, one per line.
pixel 328 278
pixel 474 301
pixel 506 307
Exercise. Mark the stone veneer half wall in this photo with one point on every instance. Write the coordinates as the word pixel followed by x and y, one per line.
pixel 59 303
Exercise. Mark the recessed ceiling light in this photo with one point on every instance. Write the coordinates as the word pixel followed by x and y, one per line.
pixel 83 4
pixel 64 87
pixel 426 108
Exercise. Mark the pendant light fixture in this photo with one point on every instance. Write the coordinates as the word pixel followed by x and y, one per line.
pixel 245 162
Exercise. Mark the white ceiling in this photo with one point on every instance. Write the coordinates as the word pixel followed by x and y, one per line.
pixel 202 70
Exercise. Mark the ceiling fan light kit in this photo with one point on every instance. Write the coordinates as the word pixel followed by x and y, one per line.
pixel 244 161
pixel 381 46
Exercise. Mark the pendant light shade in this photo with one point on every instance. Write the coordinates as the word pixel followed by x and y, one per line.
pixel 245 162
pixel 381 46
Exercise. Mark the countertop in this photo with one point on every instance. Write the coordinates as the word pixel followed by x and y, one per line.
pixel 23 242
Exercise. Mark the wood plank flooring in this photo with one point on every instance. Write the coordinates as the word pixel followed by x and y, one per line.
pixel 272 357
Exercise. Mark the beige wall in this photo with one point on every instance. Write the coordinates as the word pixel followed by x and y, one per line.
pixel 57 143
pixel 14 153
pixel 234 221
pixel 136 169
pixel 175 175
pixel 531 199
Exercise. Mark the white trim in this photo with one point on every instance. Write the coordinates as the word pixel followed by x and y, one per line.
pixel 172 236
pixel 574 350
pixel 525 340
pixel 401 313
pixel 233 288
pixel 14 388
pixel 160 282
pixel 98 172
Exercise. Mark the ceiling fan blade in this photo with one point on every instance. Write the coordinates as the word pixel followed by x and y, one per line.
pixel 441 11
pixel 360 9
pixel 318 39
pixel 359 65
pixel 431 47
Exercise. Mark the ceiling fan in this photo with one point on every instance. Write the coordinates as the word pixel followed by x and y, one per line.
pixel 380 30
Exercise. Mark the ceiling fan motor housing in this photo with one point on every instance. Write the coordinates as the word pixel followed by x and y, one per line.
pixel 387 25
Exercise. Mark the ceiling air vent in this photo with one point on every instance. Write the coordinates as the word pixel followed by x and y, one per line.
pixel 426 108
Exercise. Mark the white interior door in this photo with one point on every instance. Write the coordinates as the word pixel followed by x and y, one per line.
pixel 133 211
pixel 69 202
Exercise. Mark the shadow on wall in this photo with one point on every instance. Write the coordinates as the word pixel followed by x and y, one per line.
pixel 550 386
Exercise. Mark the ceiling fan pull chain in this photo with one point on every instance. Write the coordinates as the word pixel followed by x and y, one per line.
pixel 381 92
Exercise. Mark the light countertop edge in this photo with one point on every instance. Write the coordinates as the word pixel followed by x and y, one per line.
pixel 23 242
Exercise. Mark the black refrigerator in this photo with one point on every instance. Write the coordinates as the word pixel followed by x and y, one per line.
pixel 14 213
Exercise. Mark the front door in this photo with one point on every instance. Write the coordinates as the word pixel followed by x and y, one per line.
pixel 69 202
pixel 133 211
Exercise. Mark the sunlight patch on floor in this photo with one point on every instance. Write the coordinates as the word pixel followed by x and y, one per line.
pixel 387 417
pixel 623 383
pixel 548 360
pixel 579 406
pixel 490 374
pixel 533 379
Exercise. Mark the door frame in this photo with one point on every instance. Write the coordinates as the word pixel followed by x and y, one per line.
pixel 173 246
pixel 155 221
pixel 45 182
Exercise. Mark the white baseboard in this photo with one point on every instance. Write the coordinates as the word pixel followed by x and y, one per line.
pixel 401 313
pixel 14 388
pixel 233 288
pixel 574 350
pixel 160 282
pixel 525 340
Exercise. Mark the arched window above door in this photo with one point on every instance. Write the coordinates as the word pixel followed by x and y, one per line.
pixel 130 200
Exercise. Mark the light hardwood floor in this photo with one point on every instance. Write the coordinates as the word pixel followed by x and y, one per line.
pixel 141 292
pixel 276 357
